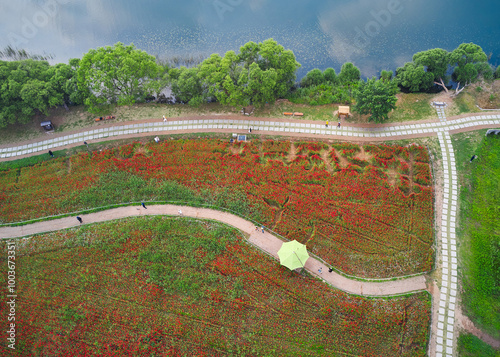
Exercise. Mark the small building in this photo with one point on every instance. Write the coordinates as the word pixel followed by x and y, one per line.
pixel 344 111
pixel 47 125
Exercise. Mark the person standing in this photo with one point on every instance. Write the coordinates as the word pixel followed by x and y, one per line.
pixel 143 205
pixel 262 229
pixel 338 126
pixel 164 119
pixel 79 219
pixel 326 125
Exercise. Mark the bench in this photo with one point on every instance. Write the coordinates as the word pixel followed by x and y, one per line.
pixel 297 114
pixel 288 113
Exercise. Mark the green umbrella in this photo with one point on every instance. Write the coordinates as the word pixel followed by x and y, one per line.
pixel 293 255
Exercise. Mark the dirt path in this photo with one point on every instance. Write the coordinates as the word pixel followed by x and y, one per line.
pixel 264 241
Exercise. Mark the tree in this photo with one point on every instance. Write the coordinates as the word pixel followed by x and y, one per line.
pixel 119 74
pixel 30 87
pixel 188 87
pixel 258 74
pixel 377 98
pixel 414 77
pixel 386 75
pixel 349 73
pixel 313 78
pixel 470 61
pixel 436 61
pixel 330 76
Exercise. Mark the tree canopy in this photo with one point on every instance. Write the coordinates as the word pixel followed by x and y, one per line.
pixel 376 97
pixel 118 74
pixel 30 87
pixel 414 78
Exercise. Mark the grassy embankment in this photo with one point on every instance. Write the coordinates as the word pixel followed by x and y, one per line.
pixel 479 229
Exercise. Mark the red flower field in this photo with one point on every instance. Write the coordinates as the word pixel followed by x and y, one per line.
pixel 367 210
pixel 159 286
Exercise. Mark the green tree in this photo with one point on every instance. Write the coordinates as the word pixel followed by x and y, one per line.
pixel 414 78
pixel 313 78
pixel 470 61
pixel 436 61
pixel 386 75
pixel 258 74
pixel 349 73
pixel 330 76
pixel 376 97
pixel 119 74
pixel 188 87
pixel 30 87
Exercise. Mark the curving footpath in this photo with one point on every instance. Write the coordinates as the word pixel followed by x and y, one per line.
pixel 264 241
pixel 443 337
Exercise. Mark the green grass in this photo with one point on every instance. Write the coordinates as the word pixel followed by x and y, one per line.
pixel 471 346
pixel 479 231
pixel 413 106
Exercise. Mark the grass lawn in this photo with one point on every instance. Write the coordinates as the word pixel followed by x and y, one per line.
pixel 179 286
pixel 471 346
pixel 367 210
pixel 479 232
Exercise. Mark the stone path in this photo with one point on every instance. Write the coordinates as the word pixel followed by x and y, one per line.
pixel 372 133
pixel 448 294
pixel 267 242
pixel 443 337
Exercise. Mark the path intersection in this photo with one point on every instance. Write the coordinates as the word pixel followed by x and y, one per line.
pixel 443 336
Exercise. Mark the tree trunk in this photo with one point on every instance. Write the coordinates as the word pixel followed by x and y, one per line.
pixel 441 84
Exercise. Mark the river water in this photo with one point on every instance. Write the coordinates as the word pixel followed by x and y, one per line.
pixel 374 34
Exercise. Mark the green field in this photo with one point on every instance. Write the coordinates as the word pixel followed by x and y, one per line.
pixel 479 232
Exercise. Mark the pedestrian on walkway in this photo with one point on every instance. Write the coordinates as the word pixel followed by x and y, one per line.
pixel 143 205
pixel 250 130
pixel 180 212
pixel 320 271
pixel 79 219
pixel 85 143
pixel 326 125
pixel 164 119
pixel 338 126
pixel 262 229
pixel 51 153
pixel 256 228
pixel 330 270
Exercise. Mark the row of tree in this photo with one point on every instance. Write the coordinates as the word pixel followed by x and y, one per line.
pixel 258 73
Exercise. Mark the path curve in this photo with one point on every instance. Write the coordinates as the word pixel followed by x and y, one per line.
pixel 264 241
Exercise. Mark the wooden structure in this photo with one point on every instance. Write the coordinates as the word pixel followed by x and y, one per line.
pixel 344 111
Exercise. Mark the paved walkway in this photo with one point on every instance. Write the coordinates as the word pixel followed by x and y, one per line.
pixel 443 337
pixel 268 126
pixel 264 241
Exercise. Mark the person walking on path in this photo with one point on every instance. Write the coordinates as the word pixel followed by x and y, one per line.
pixel 180 213
pixel 164 119
pixel 326 125
pixel 157 139
pixel 143 205
pixel 79 219
pixel 262 229
pixel 51 153
pixel 338 126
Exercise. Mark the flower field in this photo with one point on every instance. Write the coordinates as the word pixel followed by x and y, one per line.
pixel 367 210
pixel 184 287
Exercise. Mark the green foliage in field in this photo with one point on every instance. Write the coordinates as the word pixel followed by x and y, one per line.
pixel 471 346
pixel 481 247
